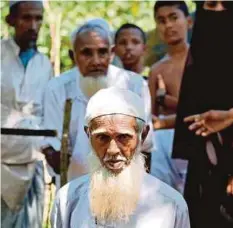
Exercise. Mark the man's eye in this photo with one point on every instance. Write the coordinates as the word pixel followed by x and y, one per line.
pixel 86 52
pixel 136 41
pixel 122 42
pixel 103 51
pixel 103 138
pixel 173 17
pixel 161 21
pixel 124 137
pixel 39 18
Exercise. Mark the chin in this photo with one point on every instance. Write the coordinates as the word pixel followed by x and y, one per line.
pixel 174 41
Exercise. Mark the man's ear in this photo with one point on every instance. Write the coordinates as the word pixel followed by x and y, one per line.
pixel 190 22
pixel 86 129
pixel 145 132
pixel 10 20
pixel 112 54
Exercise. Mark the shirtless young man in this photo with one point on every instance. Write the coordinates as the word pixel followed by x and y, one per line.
pixel 173 21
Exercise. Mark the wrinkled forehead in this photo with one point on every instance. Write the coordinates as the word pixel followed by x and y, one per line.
pixel 114 122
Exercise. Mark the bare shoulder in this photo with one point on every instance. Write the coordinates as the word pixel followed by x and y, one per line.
pixel 159 67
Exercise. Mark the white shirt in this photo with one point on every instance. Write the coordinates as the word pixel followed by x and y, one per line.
pixel 67 86
pixel 21 107
pixel 27 84
pixel 159 206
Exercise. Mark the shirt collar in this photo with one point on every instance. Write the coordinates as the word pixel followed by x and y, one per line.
pixel 14 46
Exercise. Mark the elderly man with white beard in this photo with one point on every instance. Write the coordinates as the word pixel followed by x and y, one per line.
pixel 117 192
pixel 93 54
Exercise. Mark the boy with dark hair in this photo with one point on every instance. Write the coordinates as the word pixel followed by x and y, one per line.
pixel 130 47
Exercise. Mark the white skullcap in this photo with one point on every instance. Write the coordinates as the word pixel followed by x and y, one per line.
pixel 114 101
pixel 13 2
pixel 95 22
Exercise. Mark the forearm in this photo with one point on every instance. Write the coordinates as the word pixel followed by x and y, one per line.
pixel 166 122
pixel 170 102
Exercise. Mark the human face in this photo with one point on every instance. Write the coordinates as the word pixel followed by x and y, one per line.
pixel 92 54
pixel 27 22
pixel 114 138
pixel 214 5
pixel 172 24
pixel 130 46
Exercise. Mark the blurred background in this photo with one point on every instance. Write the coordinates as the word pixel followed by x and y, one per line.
pixel 62 17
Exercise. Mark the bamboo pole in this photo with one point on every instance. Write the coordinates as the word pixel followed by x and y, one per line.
pixel 65 142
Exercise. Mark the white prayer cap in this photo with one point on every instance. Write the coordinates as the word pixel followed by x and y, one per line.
pixel 13 2
pixel 100 22
pixel 114 101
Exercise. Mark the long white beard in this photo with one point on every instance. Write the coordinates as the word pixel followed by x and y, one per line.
pixel 115 197
pixel 90 85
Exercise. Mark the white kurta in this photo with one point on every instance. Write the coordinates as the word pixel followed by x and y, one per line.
pixel 159 206
pixel 67 86
pixel 21 107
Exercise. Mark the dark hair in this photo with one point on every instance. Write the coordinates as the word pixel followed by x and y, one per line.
pixel 180 4
pixel 129 26
pixel 14 9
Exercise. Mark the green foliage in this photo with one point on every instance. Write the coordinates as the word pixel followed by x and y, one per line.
pixel 75 13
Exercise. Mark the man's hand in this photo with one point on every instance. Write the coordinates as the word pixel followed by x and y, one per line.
pixel 161 91
pixel 53 158
pixel 210 122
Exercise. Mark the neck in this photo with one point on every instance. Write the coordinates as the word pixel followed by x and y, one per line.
pixel 24 45
pixel 137 68
pixel 179 49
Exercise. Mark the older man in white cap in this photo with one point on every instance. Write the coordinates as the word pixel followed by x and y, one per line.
pixel 118 192
pixel 92 53
pixel 24 74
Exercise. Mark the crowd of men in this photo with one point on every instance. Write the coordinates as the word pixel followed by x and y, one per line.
pixel 143 151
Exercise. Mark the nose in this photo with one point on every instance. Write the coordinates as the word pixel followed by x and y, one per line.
pixel 129 46
pixel 33 25
pixel 168 24
pixel 113 148
pixel 96 59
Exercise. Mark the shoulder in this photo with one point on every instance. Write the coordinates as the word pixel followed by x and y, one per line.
pixel 63 80
pixel 6 46
pixel 163 193
pixel 72 190
pixel 4 43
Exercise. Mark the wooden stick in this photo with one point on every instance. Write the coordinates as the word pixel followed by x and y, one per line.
pixel 65 142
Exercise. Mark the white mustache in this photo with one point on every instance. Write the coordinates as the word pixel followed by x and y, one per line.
pixel 114 158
